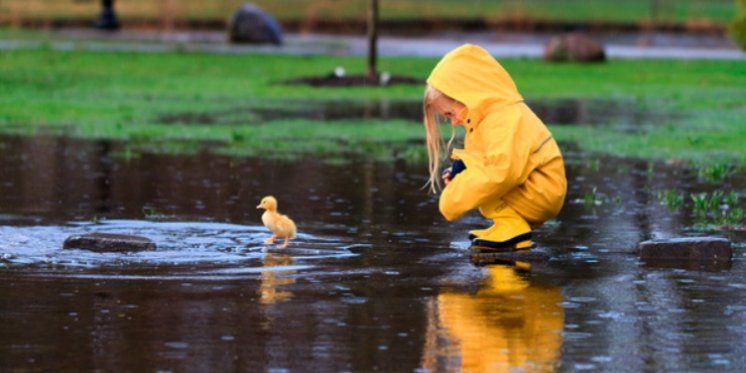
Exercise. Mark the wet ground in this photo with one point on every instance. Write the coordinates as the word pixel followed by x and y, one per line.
pixel 623 115
pixel 376 280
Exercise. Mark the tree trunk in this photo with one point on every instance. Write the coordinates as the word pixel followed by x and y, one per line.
pixel 372 39
pixel 107 20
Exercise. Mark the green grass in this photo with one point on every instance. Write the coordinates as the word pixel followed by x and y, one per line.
pixel 125 95
pixel 715 11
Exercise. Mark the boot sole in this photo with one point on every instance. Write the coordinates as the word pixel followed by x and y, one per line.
pixel 501 247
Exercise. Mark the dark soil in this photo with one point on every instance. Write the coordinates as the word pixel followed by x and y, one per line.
pixel 332 80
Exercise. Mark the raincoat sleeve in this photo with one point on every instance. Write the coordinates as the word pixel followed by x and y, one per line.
pixel 489 175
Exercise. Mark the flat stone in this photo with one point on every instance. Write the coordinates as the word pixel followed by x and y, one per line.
pixel 686 248
pixel 576 47
pixel 692 265
pixel 529 256
pixel 108 242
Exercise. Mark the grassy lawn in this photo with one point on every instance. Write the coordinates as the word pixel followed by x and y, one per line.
pixel 126 96
pixel 679 11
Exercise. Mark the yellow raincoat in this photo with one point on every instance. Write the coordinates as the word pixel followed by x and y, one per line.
pixel 509 153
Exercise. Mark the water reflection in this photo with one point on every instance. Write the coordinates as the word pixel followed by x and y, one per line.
pixel 274 281
pixel 362 290
pixel 509 323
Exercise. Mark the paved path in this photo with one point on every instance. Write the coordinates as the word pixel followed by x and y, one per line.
pixel 502 46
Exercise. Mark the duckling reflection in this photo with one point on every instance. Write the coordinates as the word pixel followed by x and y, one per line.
pixel 271 280
pixel 508 324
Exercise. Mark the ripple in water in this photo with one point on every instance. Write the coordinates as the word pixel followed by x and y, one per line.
pixel 208 250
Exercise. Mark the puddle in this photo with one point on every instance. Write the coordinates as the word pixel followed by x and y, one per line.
pixel 555 111
pixel 629 115
pixel 179 244
pixel 376 279
pixel 319 111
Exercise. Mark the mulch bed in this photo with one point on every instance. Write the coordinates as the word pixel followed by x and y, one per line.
pixel 332 80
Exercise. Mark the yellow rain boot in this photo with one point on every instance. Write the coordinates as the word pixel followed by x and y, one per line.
pixel 509 231
pixel 475 233
pixel 487 211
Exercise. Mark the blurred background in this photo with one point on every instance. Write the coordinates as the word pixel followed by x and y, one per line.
pixel 314 15
pixel 171 119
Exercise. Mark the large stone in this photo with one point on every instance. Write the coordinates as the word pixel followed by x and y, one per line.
pixel 108 242
pixel 687 249
pixel 250 24
pixel 573 47
pixel 692 265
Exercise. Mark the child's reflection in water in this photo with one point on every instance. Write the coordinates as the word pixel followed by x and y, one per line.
pixel 508 324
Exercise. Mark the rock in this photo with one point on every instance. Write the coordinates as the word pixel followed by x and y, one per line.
pixel 250 24
pixel 108 242
pixel 573 47
pixel 692 265
pixel 530 256
pixel 686 248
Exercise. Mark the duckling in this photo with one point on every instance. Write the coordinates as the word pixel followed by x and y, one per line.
pixel 280 225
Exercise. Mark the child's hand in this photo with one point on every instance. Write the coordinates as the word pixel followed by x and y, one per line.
pixel 446 175
pixel 449 173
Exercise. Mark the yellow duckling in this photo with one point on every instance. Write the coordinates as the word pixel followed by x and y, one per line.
pixel 280 225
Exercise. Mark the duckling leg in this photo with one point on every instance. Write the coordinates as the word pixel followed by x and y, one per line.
pixel 271 239
pixel 286 242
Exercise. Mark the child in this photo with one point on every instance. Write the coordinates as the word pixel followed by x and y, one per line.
pixel 514 173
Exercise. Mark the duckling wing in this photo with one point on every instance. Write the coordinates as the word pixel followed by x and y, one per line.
pixel 287 226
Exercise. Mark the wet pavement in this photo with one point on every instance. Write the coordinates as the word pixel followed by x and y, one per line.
pixel 641 45
pixel 375 281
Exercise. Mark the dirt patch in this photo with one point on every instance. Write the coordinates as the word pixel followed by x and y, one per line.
pixel 333 80
pixel 189 118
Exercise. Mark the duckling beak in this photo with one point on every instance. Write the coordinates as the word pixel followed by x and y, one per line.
pixel 258 206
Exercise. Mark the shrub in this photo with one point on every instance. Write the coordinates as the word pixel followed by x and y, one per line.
pixel 738 25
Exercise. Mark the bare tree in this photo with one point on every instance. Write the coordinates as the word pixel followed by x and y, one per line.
pixel 372 39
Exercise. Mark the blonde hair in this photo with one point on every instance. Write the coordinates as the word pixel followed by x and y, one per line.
pixel 433 139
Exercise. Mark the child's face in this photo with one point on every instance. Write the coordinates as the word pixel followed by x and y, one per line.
pixel 451 109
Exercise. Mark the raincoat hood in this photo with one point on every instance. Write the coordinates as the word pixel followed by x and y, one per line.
pixel 471 76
